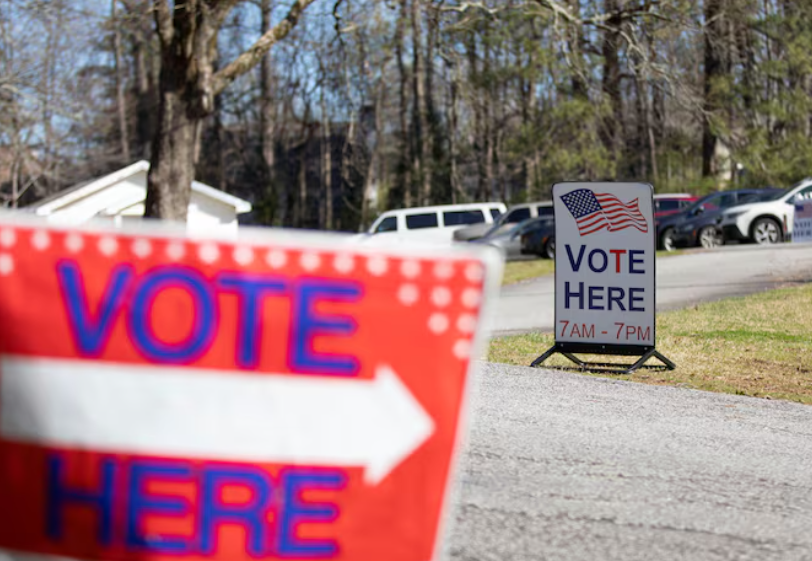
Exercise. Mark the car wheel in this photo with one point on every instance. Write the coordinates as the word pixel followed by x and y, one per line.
pixel 667 240
pixel 766 231
pixel 549 249
pixel 710 237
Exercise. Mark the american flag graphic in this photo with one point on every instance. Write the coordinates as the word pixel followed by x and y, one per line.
pixel 597 211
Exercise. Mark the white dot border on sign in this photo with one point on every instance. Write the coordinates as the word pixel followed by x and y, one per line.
pixel 441 296
pixel 74 242
pixel 141 248
pixel 471 297
pixel 462 349
pixel 40 240
pixel 344 263
pixel 208 252
pixel 8 237
pixel 175 250
pixel 107 246
pixel 410 268
pixel 408 294
pixel 474 272
pixel 444 270
pixel 243 255
pixel 276 258
pixel 377 265
pixel 310 261
pixel 6 264
pixel 466 323
pixel 438 323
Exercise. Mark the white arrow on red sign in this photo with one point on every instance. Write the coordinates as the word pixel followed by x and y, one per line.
pixel 215 414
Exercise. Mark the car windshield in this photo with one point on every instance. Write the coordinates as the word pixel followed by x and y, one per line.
pixel 771 195
pixel 700 202
pixel 530 224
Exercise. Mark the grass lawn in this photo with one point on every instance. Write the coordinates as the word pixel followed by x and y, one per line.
pixel 759 345
pixel 516 271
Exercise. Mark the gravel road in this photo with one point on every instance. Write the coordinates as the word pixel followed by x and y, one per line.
pixel 565 466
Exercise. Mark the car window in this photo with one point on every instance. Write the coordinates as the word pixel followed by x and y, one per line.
pixel 517 215
pixel 545 211
pixel 710 202
pixel 685 203
pixel 388 224
pixel 458 217
pixel 768 196
pixel 803 194
pixel 495 213
pixel 665 205
pixel 726 200
pixel 418 221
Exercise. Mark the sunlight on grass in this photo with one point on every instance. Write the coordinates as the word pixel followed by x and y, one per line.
pixel 759 345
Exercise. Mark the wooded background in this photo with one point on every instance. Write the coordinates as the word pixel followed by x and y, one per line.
pixel 366 105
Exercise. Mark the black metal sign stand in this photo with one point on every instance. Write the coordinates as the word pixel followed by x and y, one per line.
pixel 568 350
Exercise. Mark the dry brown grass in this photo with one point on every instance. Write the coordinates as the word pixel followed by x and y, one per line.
pixel 759 345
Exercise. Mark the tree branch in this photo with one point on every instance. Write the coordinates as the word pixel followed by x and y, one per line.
pixel 254 54
pixel 219 11
pixel 163 21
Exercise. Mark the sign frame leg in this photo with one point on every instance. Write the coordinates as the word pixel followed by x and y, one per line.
pixel 645 354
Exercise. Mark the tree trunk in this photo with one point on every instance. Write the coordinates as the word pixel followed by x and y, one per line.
pixel 714 71
pixel 612 129
pixel 406 143
pixel 575 41
pixel 266 120
pixel 144 113
pixel 172 166
pixel 120 100
pixel 453 124
pixel 476 102
pixel 422 140
pixel 326 165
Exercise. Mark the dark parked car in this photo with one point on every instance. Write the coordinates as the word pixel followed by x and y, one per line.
pixel 538 238
pixel 508 239
pixel 696 225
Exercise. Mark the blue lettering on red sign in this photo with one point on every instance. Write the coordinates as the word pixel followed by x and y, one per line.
pixel 137 293
pixel 143 504
pixel 270 517
pixel 203 329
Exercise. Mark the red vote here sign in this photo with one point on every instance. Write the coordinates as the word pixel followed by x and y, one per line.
pixel 163 398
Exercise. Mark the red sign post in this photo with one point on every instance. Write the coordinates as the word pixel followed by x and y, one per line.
pixel 170 399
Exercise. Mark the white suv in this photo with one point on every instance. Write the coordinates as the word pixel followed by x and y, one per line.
pixel 766 222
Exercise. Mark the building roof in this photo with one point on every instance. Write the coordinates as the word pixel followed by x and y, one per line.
pixel 87 188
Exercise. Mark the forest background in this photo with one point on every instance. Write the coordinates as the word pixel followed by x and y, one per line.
pixel 365 105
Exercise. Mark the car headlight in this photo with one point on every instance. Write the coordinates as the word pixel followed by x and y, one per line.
pixel 685 228
pixel 731 216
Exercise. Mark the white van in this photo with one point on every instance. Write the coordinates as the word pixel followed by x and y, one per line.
pixel 432 223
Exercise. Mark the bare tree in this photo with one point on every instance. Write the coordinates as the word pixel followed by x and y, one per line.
pixel 188 85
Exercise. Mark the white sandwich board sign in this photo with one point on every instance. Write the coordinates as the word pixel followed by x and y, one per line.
pixel 604 269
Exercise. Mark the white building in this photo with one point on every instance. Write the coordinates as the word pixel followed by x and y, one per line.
pixel 120 197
